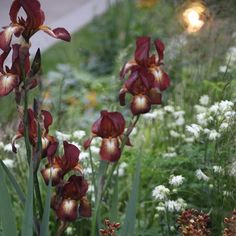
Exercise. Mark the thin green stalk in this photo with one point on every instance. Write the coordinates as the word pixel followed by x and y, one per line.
pixel 38 195
pixel 93 173
pixel 25 118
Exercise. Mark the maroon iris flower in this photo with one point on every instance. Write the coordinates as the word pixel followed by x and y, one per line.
pixel 146 78
pixel 29 26
pixel 10 78
pixel 71 194
pixel 110 127
pixel 46 139
pixel 58 167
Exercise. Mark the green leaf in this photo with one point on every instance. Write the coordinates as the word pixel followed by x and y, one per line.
pixel 128 227
pixel 46 213
pixel 27 228
pixel 6 211
pixel 13 182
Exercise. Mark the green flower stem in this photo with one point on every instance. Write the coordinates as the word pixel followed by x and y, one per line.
pixel 101 189
pixel 93 173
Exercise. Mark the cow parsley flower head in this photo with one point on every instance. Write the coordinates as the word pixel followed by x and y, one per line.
pixel 194 129
pixel 175 206
pixel 204 100
pixel 201 176
pixel 213 135
pixel 160 192
pixel 176 180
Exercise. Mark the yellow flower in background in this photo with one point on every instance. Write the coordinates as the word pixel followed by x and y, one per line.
pixel 147 3
pixel 72 101
pixel 91 99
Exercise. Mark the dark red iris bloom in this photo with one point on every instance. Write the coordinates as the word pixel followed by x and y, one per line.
pixel 46 139
pixel 29 26
pixel 60 166
pixel 71 194
pixel 10 78
pixel 110 127
pixel 146 78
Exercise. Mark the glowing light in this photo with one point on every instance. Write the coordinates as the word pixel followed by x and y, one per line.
pixel 192 17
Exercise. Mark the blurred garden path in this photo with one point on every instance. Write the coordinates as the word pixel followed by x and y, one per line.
pixel 71 14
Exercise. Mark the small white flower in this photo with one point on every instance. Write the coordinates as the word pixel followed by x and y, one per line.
pixel 169 108
pixel 177 114
pixel 9 163
pixel 202 119
pixel 218 169
pixel 194 129
pixel 214 108
pixel 213 135
pixel 94 149
pixel 180 121
pixel 61 136
pixel 69 230
pixel 79 134
pixel 122 168
pixel 161 208
pixel 201 176
pixel 232 169
pixel 224 126
pixel 169 154
pixel 175 206
pixel 150 116
pixel 83 156
pixel 176 180
pixel 204 100
pixel 206 131
pixel 8 147
pixel 160 192
pixel 174 134
pixel 1 145
pixel 160 114
pixel 200 109
pixel 189 140
pixel 225 105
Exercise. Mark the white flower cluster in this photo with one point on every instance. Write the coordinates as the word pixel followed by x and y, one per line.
pixel 175 206
pixel 163 195
pixel 160 192
pixel 212 120
pixel 176 180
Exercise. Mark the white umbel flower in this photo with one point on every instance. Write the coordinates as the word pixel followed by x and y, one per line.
pixel 160 192
pixel 194 129
pixel 175 206
pixel 213 135
pixel 204 100
pixel 176 180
